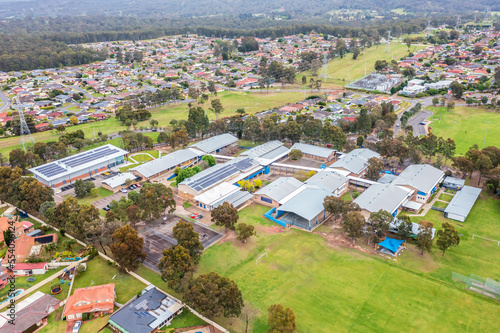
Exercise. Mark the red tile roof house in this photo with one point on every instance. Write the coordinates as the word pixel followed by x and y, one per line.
pixel 31 314
pixel 26 269
pixel 96 299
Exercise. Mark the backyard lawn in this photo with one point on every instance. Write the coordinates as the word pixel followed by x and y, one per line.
pixel 185 319
pixel 467 126
pixel 100 272
pixel 350 291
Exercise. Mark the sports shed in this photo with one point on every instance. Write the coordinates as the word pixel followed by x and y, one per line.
pixel 304 208
pixel 79 166
pixel 461 204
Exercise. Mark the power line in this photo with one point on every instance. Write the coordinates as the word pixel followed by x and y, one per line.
pixel 388 44
pixel 23 126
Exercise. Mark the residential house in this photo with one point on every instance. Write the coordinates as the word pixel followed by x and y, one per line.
pixel 31 314
pixel 98 300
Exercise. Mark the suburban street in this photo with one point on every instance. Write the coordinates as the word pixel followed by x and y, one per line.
pixel 5 100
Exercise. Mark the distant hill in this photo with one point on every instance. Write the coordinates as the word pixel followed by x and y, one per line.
pixel 199 8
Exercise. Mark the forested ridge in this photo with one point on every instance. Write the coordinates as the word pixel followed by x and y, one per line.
pixel 33 43
pixel 205 8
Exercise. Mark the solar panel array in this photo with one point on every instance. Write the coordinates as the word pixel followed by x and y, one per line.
pixel 51 169
pixel 221 173
pixel 89 157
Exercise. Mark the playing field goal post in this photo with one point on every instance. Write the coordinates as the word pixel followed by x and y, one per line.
pixel 260 257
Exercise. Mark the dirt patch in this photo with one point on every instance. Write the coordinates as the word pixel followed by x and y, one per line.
pixel 230 237
pixel 272 230
pixel 337 240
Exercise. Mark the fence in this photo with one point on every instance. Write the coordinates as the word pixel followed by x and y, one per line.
pixel 269 215
pixel 438 208
pixel 485 286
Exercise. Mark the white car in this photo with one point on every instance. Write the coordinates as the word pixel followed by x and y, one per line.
pixel 123 190
pixel 77 326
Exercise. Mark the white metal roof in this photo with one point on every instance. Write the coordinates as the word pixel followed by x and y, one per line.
pixel 463 201
pixel 355 161
pixel 217 193
pixel 118 180
pixel 77 162
pixel 216 142
pixel 422 177
pixel 308 203
pixel 280 188
pixel 313 150
pixel 330 179
pixel 166 162
pixel 388 197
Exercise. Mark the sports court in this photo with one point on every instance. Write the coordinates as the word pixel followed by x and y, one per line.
pixel 158 236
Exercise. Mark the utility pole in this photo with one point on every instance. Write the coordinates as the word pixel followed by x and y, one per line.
pixel 388 44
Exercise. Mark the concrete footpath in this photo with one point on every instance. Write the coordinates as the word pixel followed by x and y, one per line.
pixel 138 277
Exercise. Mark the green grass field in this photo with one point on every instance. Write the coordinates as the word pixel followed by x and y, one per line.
pixel 88 199
pixel 338 68
pixel 446 197
pixel 344 290
pixel 467 126
pixel 100 272
pixel 231 100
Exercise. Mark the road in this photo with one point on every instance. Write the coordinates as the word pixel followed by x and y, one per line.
pixel 5 100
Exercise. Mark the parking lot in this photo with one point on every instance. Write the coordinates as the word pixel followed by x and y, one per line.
pixel 158 236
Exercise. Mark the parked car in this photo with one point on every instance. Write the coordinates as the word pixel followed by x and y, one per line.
pixel 138 185
pixel 131 187
pixel 106 208
pixel 123 190
pixel 77 326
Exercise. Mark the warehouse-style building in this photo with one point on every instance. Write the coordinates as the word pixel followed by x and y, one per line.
pixel 79 166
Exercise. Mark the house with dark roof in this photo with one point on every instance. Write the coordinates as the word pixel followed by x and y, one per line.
pixel 31 314
pixel 152 310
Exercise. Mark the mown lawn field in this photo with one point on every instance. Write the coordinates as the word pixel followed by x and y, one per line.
pixel 345 290
pixel 338 68
pixel 467 126
pixel 231 100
